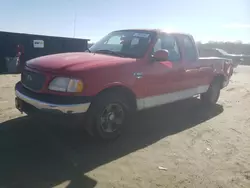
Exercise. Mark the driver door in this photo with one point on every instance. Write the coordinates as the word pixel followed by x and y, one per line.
pixel 164 77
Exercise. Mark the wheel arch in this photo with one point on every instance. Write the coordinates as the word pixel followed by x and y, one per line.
pixel 220 78
pixel 121 90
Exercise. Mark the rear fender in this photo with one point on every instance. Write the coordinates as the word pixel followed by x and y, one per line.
pixel 223 71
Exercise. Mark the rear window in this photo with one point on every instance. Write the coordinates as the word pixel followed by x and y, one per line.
pixel 189 50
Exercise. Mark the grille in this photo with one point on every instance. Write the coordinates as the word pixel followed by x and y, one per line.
pixel 32 80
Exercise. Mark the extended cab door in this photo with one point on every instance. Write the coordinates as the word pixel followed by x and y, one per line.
pixel 196 74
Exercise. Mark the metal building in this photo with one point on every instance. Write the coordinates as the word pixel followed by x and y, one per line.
pixel 35 45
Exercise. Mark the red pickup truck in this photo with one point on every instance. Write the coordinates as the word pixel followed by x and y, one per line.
pixel 126 71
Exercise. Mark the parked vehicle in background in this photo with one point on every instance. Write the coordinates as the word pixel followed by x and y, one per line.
pixel 216 52
pixel 126 71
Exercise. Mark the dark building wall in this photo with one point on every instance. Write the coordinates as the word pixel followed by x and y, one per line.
pixel 52 45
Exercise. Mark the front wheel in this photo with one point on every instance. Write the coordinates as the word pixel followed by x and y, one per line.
pixel 107 116
pixel 213 93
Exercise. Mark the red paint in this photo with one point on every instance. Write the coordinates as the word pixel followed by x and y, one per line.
pixel 104 71
pixel 167 63
pixel 19 55
pixel 20 49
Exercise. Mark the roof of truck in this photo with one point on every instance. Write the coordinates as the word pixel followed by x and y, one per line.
pixel 157 31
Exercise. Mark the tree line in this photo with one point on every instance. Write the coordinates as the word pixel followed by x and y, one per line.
pixel 230 47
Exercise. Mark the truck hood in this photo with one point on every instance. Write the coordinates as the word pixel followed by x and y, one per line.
pixel 75 61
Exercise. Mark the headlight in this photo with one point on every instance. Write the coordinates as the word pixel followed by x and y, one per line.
pixel 66 85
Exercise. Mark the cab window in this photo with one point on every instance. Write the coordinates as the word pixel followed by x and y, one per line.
pixel 189 49
pixel 168 42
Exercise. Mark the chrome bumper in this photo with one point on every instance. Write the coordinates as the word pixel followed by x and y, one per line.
pixel 64 108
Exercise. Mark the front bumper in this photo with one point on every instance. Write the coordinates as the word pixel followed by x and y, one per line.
pixel 51 103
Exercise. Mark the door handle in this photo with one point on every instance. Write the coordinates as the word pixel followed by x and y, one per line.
pixel 191 70
pixel 138 75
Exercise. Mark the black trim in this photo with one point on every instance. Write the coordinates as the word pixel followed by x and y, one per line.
pixel 52 98
pixel 37 82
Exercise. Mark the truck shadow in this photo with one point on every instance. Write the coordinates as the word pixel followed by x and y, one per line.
pixel 37 155
pixel 8 73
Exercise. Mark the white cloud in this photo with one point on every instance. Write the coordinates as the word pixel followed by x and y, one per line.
pixel 237 26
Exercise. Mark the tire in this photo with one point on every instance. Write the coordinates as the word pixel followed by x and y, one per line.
pixel 107 116
pixel 213 93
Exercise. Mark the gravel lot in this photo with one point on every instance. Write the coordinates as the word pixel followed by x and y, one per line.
pixel 178 145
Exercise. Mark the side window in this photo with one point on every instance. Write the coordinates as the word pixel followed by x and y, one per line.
pixel 157 45
pixel 168 42
pixel 189 49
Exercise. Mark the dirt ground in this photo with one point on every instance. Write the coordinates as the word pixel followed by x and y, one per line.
pixel 178 145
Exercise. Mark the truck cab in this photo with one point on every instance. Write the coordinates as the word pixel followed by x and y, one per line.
pixel 126 71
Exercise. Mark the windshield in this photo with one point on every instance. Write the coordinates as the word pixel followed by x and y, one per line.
pixel 133 44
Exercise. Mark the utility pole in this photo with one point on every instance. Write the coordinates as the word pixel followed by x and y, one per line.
pixel 75 15
pixel 74 24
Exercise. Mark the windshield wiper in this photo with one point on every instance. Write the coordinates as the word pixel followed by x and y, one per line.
pixel 109 52
pixel 88 50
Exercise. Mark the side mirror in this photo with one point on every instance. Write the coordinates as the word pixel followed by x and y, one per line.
pixel 161 55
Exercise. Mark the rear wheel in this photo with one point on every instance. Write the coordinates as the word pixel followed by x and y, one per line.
pixel 213 93
pixel 107 116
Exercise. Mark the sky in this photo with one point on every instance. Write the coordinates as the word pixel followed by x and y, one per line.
pixel 216 20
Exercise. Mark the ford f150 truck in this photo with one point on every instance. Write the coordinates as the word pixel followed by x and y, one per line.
pixel 126 71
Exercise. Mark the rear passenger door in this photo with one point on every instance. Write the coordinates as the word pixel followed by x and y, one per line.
pixel 193 74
